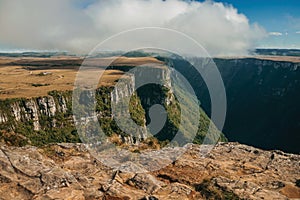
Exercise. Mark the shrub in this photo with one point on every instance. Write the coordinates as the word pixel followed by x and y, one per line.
pixel 39 84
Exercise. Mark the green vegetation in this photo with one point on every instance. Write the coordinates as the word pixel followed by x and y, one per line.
pixel 135 54
pixel 183 127
pixel 39 84
pixel 60 128
pixel 54 135
pixel 107 123
pixel 53 129
pixel 212 191
pixel 12 138
pixel 298 182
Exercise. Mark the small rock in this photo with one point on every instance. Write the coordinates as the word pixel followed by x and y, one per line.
pixel 147 183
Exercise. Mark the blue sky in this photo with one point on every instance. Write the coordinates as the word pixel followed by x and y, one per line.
pixel 78 26
pixel 281 16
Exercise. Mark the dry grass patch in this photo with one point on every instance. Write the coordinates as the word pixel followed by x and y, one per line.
pixel 34 77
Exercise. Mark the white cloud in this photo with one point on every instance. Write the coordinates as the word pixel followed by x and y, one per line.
pixel 298 32
pixel 275 33
pixel 61 25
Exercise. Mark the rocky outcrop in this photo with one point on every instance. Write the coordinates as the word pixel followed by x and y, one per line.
pixel 48 106
pixel 31 113
pixel 69 171
pixel 124 89
pixel 135 80
pixel 3 118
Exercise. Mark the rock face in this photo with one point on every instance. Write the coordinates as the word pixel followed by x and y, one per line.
pixel 53 112
pixel 260 93
pixel 124 90
pixel 50 119
pixel 32 110
pixel 229 171
pixel 139 79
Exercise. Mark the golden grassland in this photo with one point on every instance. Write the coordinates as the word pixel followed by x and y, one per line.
pixel 33 77
pixel 294 59
pixel 23 76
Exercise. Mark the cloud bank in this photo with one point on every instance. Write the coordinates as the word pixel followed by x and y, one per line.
pixel 67 25
pixel 275 33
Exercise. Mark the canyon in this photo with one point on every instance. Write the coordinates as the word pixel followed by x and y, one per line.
pixel 49 118
pixel 42 155
pixel 262 99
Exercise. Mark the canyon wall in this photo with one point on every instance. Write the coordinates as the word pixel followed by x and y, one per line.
pixel 33 110
pixel 262 100
pixel 50 119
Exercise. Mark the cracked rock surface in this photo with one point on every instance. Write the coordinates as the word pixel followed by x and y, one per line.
pixel 69 171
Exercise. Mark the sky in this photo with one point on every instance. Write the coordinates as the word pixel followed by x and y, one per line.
pixel 280 18
pixel 222 27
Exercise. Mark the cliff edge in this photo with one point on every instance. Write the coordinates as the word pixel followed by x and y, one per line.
pixel 69 171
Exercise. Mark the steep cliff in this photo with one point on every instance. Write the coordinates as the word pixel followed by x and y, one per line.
pixel 49 119
pixel 39 119
pixel 262 100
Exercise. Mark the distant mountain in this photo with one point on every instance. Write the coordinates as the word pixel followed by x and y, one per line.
pixel 140 53
pixel 277 52
pixel 33 54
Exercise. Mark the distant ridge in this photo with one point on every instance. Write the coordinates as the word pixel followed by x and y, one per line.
pixel 38 54
pixel 277 52
pixel 47 54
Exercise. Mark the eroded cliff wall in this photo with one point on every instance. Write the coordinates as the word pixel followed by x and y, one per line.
pixel 262 100
pixel 50 119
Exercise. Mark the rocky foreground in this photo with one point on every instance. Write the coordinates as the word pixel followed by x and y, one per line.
pixel 229 171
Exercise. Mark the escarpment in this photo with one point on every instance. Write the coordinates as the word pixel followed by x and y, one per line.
pixel 262 99
pixel 39 119
pixel 263 102
pixel 34 110
pixel 49 118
